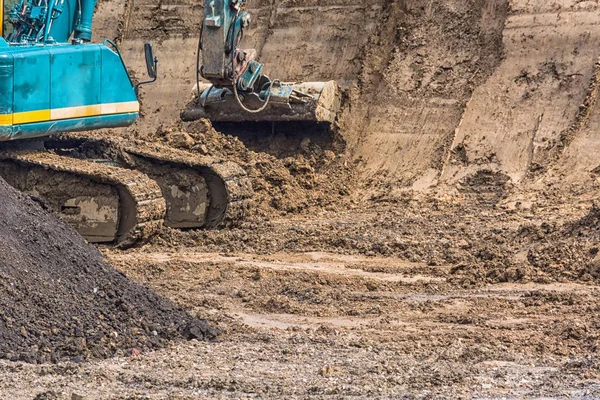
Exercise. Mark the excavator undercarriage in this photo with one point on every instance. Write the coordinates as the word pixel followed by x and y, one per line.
pixel 124 193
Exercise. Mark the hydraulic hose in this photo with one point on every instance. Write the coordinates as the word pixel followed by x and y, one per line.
pixel 248 110
pixel 233 47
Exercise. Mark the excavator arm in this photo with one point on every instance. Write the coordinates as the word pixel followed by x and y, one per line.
pixel 235 89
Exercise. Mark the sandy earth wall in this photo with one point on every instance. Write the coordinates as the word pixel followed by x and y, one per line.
pixel 516 118
pixel 435 90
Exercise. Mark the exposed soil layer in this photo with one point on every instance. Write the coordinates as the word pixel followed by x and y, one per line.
pixel 60 300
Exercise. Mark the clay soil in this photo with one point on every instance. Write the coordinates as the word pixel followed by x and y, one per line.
pixel 442 242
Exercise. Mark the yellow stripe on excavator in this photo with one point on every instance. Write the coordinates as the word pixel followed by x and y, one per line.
pixel 68 113
pixel 31 116
pixel 6 119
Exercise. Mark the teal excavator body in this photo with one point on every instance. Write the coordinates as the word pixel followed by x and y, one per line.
pixel 53 80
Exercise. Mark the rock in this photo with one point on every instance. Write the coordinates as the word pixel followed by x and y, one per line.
pixel 181 139
pixel 463 244
pixel 305 145
pixel 594 267
pixel 329 155
pixel 198 329
pixel 203 149
pixel 49 395
pixel 326 371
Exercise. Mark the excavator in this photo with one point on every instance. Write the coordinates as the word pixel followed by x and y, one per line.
pixel 54 80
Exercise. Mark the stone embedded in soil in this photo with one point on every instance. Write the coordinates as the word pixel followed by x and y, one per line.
pixel 59 300
pixel 200 330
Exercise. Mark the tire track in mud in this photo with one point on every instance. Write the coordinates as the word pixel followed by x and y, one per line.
pixel 493 325
pixel 327 264
pixel 269 290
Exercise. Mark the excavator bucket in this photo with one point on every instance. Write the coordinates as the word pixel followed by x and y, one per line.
pixel 307 101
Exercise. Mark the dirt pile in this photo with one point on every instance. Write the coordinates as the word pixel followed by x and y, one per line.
pixel 289 174
pixel 60 300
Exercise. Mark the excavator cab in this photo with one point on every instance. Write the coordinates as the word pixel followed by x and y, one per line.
pixel 53 80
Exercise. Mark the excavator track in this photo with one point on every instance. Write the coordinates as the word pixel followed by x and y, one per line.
pixel 104 203
pixel 200 191
pixel 123 192
pixel 229 187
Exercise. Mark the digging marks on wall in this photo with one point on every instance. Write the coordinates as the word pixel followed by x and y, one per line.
pixel 441 53
pixel 517 117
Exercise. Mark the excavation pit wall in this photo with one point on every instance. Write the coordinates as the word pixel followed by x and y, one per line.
pixel 435 91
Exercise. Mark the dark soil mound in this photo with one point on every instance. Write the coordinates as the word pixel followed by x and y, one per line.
pixel 59 299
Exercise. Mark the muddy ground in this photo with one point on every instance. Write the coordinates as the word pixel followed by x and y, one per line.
pixel 370 303
pixel 441 242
